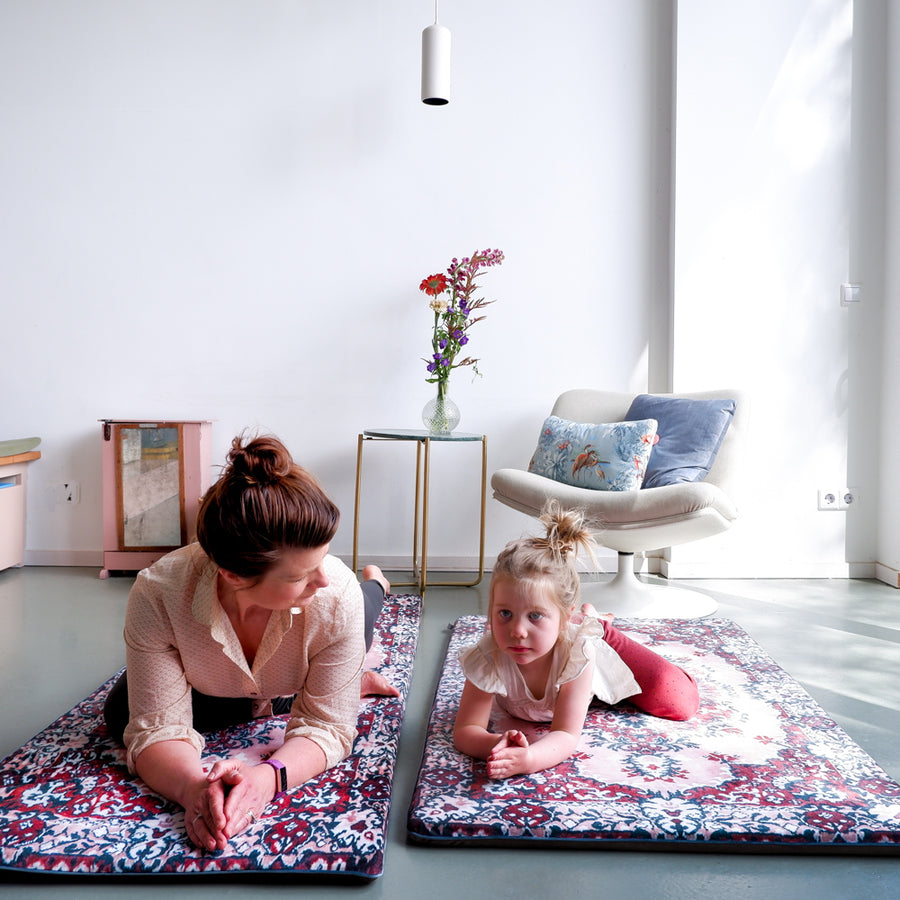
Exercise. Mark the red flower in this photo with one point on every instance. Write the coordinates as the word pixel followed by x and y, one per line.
pixel 434 285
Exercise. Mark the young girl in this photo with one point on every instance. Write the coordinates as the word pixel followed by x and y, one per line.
pixel 542 662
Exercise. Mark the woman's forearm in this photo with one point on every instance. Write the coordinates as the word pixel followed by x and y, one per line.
pixel 303 759
pixel 173 769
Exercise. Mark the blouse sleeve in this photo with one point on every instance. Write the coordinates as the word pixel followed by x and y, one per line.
pixel 326 707
pixel 159 696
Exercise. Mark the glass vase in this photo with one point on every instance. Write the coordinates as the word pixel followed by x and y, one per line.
pixel 441 414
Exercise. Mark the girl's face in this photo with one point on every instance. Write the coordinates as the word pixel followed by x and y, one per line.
pixel 292 581
pixel 525 621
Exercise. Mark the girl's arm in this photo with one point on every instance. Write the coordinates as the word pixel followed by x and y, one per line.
pixel 516 757
pixel 470 732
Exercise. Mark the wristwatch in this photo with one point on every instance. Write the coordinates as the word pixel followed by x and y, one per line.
pixel 280 775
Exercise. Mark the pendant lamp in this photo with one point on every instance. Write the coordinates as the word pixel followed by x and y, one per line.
pixel 436 63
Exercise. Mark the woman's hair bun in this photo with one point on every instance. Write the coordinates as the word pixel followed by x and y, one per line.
pixel 262 504
pixel 262 460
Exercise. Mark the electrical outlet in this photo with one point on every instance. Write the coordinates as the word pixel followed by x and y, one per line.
pixel 829 498
pixel 847 497
pixel 67 493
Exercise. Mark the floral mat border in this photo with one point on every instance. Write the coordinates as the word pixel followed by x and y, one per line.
pixel 760 767
pixel 69 807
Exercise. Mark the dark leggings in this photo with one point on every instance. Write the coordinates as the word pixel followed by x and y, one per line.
pixel 214 713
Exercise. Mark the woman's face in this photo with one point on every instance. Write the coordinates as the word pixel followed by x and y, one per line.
pixel 292 581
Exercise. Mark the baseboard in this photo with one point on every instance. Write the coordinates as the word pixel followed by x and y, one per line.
pixel 887 575
pixel 762 569
pixel 87 558
pixel 607 563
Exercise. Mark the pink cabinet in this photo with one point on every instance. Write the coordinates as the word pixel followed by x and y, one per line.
pixel 13 480
pixel 154 475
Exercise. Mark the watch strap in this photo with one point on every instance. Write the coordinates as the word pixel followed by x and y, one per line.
pixel 280 777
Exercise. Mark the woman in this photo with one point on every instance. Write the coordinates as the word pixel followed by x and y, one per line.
pixel 255 618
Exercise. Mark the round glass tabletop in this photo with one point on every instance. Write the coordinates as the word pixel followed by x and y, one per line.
pixel 420 434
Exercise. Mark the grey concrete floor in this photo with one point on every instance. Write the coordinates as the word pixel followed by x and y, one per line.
pixel 61 635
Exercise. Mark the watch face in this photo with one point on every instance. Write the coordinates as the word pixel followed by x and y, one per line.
pixel 281 773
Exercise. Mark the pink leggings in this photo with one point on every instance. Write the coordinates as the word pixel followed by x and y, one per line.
pixel 667 691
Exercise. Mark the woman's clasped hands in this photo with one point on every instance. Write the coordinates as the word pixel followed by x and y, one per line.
pixel 229 800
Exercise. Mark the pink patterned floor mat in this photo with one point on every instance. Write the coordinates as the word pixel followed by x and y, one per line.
pixel 761 766
pixel 69 807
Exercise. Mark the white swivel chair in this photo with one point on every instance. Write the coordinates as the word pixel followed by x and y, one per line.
pixel 637 521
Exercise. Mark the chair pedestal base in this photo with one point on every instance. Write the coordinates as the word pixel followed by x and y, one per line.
pixel 628 597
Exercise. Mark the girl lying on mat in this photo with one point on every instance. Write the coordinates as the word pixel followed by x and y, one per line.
pixel 542 661
pixel 254 619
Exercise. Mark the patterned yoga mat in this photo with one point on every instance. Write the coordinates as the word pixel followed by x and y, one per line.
pixel 761 766
pixel 68 805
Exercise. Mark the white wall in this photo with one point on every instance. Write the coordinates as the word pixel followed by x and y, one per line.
pixel 221 209
pixel 889 518
pixel 761 248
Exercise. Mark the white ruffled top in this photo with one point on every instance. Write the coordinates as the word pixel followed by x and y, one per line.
pixel 495 673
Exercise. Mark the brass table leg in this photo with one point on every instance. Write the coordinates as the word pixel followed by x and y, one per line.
pixel 481 538
pixel 423 575
pixel 356 505
pixel 415 554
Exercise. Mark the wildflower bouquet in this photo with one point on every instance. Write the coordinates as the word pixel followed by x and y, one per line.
pixel 453 315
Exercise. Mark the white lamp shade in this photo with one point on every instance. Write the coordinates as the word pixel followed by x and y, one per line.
pixel 436 65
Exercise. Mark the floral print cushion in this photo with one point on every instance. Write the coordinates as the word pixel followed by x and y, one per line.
pixel 602 457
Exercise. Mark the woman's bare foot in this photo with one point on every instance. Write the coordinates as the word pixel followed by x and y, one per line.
pixel 373 573
pixel 374 684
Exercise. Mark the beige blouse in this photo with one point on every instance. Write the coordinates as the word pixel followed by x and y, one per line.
pixel 177 636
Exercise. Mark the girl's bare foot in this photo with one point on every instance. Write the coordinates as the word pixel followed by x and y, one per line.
pixel 590 612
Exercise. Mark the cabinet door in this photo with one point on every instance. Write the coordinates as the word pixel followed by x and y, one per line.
pixel 150 485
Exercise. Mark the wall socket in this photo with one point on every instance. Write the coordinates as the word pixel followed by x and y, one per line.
pixel 837 498
pixel 67 493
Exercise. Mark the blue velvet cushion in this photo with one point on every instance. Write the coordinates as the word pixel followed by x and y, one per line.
pixel 601 457
pixel 690 433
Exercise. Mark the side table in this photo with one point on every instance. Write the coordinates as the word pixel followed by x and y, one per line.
pixel 423 441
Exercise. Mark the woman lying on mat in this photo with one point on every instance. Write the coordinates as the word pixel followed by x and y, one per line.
pixel 254 619
pixel 543 662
